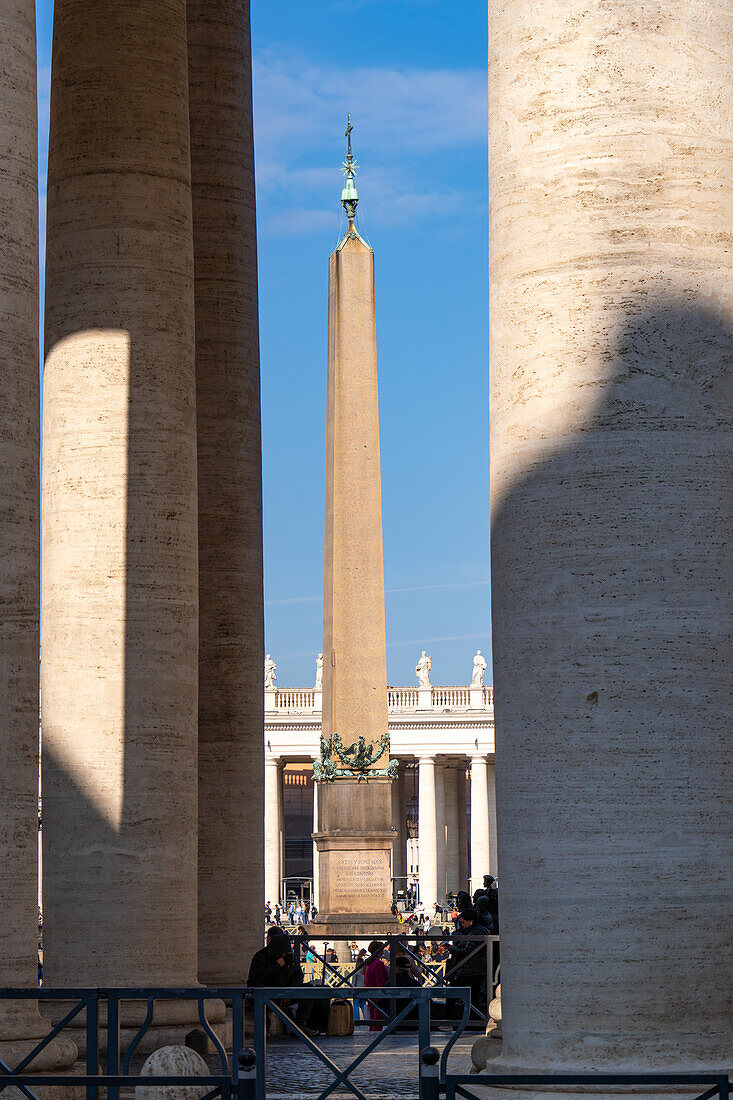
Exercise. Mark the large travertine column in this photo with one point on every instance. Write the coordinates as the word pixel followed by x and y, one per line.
pixel 120 584
pixel 480 851
pixel 355 837
pixel 273 801
pixel 231 632
pixel 611 329
pixel 20 1022
pixel 427 832
pixel 452 844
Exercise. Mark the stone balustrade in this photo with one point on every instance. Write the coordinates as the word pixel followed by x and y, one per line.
pixel 399 699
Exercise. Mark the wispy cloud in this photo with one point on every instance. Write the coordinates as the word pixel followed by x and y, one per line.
pixel 389 592
pixel 403 117
pixel 444 638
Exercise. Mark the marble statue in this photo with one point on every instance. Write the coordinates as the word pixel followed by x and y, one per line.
pixel 422 670
pixel 319 672
pixel 270 670
pixel 479 668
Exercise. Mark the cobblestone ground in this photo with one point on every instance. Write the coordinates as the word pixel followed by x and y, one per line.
pixel 294 1072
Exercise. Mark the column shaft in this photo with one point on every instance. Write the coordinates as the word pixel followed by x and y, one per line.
pixel 491 817
pixel 231 635
pixel 273 811
pixel 19 536
pixel 440 829
pixel 19 500
pixel 611 327
pixel 400 845
pixel 315 849
pixel 427 832
pixel 120 585
pixel 480 857
pixel 452 849
pixel 463 837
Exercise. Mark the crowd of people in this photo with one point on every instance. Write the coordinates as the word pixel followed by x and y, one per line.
pixel 295 913
pixel 447 945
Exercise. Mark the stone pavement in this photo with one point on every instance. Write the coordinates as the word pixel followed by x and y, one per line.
pixel 295 1073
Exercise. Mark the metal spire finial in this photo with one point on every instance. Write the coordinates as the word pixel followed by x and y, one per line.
pixel 349 195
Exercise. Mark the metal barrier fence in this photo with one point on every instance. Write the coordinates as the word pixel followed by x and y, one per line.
pixel 84 1012
pixel 408 999
pixel 244 1076
pixel 431 972
pixel 436 1083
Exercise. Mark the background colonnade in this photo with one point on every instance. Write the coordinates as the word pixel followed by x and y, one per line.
pixel 455 824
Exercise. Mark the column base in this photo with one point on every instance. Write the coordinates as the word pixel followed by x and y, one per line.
pixel 59 1056
pixel 172 1022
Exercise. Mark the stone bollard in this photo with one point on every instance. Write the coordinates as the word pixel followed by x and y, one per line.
pixel 485 1047
pixel 173 1062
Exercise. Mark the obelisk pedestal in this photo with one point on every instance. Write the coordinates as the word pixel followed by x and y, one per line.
pixel 21 1025
pixel 611 335
pixel 355 835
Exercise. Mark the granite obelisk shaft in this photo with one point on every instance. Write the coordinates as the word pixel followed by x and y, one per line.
pixel 354 836
pixel 231 630
pixel 611 336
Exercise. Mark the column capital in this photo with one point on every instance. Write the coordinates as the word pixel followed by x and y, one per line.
pixel 271 759
pixel 479 758
pixel 425 759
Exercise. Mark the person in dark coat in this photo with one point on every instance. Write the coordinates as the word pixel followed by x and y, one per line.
pixel 274 964
pixel 465 967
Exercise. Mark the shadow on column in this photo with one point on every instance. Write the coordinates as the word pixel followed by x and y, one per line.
pixel 610 649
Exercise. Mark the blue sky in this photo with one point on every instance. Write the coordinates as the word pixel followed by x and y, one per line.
pixel 412 74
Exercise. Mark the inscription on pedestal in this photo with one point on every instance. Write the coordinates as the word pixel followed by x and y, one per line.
pixel 359 881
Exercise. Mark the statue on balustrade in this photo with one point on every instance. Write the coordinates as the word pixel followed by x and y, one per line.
pixel 319 672
pixel 422 670
pixel 479 668
pixel 270 670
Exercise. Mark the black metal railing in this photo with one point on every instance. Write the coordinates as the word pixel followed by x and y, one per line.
pixel 103 1041
pixel 436 1083
pixel 243 1072
pixel 408 1000
pixel 100 1014
pixel 432 972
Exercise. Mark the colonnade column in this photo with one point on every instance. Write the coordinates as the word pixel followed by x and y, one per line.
pixel 463 838
pixel 453 881
pixel 20 1023
pixel 480 850
pixel 120 577
pixel 398 823
pixel 231 636
pixel 314 900
pixel 491 819
pixel 272 829
pixel 440 829
pixel 610 346
pixel 427 832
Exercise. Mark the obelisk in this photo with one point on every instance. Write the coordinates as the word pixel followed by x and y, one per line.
pixel 611 355
pixel 231 623
pixel 21 1026
pixel 354 835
